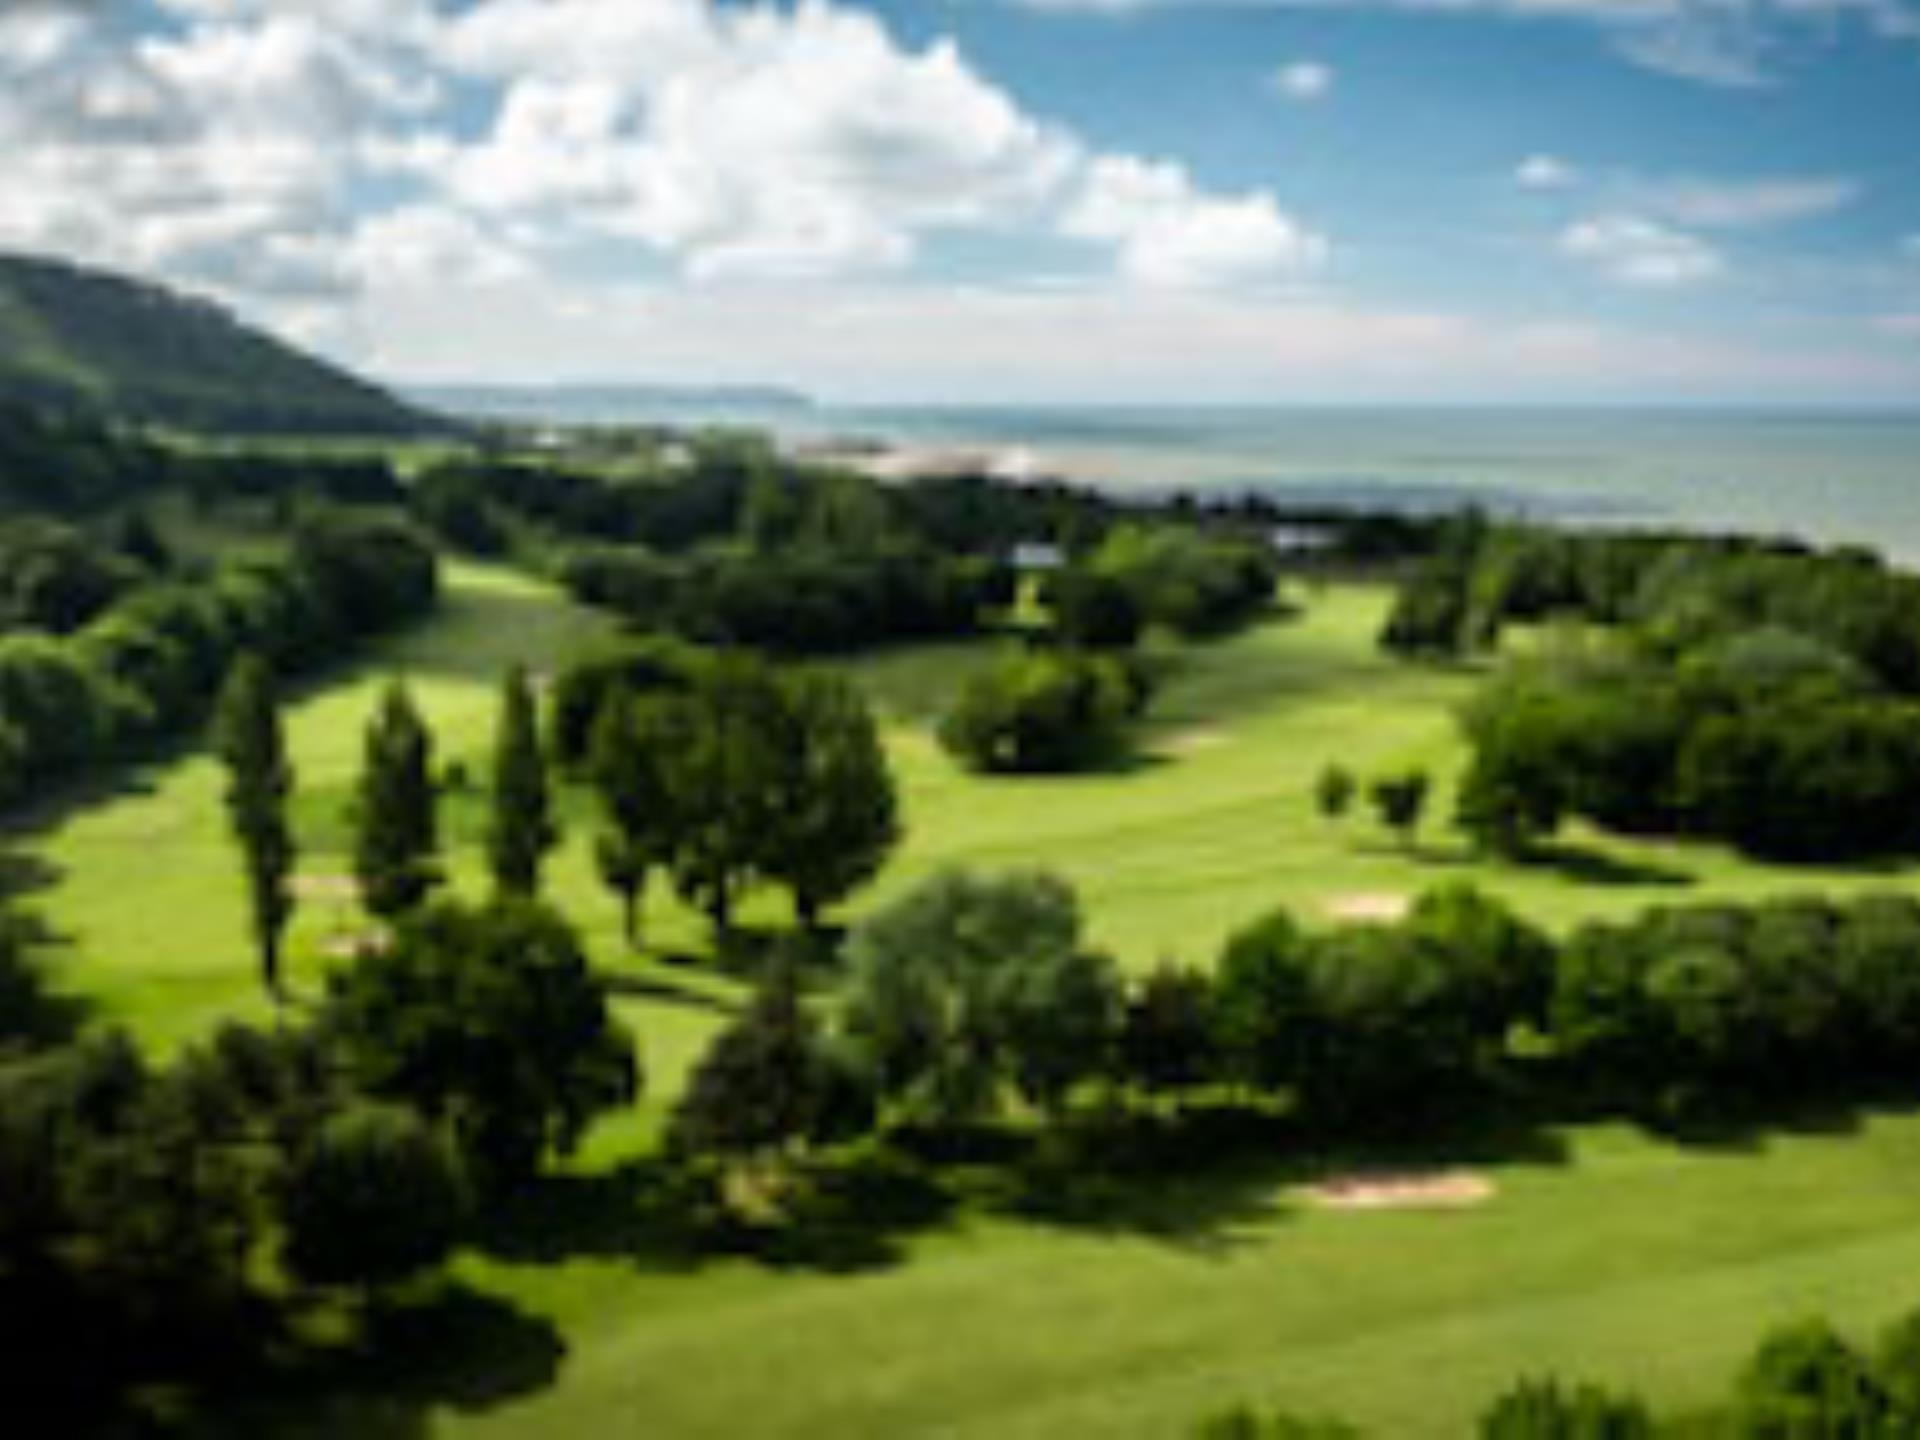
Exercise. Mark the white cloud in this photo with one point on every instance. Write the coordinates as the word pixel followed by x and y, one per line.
pixel 1304 80
pixel 429 245
pixel 1723 204
pixel 1635 250
pixel 1544 172
pixel 238 146
pixel 1170 234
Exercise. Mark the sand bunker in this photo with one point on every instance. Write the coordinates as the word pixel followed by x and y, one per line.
pixel 1442 1190
pixel 1187 742
pixel 1379 906
pixel 353 947
pixel 325 887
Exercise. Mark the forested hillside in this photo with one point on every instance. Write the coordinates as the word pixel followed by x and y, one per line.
pixel 90 340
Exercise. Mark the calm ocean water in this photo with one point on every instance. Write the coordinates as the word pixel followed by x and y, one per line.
pixel 1827 476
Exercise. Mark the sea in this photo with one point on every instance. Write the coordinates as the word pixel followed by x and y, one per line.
pixel 1828 476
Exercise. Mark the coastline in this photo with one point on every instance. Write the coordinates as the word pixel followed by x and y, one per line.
pixel 1822 478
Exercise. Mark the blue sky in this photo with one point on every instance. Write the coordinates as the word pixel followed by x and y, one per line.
pixel 1131 200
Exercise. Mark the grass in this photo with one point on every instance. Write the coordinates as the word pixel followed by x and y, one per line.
pixel 1624 1259
pixel 1606 1253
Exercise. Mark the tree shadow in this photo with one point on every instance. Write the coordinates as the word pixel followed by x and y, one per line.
pixel 451 1348
pixel 1746 1126
pixel 664 989
pixel 1209 1212
pixel 69 796
pixel 1600 867
pixel 460 1348
pixel 1580 863
pixel 844 1213
pixel 646 1212
pixel 34 1011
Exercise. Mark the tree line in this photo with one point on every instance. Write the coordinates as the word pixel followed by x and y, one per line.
pixel 147 665
pixel 727 774
pixel 1762 693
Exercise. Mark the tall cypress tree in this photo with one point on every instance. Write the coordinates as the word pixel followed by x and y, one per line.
pixel 397 833
pixel 523 829
pixel 248 738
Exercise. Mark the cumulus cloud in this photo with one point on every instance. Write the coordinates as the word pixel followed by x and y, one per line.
pixel 1636 250
pixel 1171 235
pixel 743 141
pixel 1544 172
pixel 259 148
pixel 1304 80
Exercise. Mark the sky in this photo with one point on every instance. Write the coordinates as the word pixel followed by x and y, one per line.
pixel 1136 201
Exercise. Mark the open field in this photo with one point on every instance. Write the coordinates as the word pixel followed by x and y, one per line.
pixel 1600 1252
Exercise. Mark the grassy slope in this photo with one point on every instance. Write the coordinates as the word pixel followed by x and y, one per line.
pixel 1635 1261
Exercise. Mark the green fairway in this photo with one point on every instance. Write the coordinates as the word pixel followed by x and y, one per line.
pixel 1624 1258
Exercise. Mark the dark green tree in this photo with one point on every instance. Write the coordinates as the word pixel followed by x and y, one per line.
pixel 767 1081
pixel 1260 1004
pixel 627 761
pixel 1805 1382
pixel 1548 1410
pixel 840 816
pixel 1333 791
pixel 1167 1037
pixel 377 1197
pixel 488 1021
pixel 248 737
pixel 396 825
pixel 1399 801
pixel 729 744
pixel 522 828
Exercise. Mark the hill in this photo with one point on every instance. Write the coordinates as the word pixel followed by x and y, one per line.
pixel 93 341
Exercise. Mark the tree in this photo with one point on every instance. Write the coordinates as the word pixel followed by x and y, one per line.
pixel 627 763
pixel 378 1197
pixel 1092 610
pixel 970 984
pixel 259 779
pixel 396 828
pixel 1498 968
pixel 1548 1410
pixel 727 747
pixel 839 819
pixel 1333 791
pixel 1167 1037
pixel 523 828
pixel 1044 712
pixel 1259 1006
pixel 766 1081
pixel 489 1021
pixel 1805 1382
pixel 1399 801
